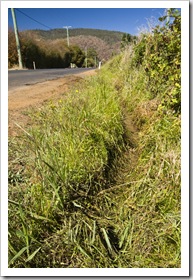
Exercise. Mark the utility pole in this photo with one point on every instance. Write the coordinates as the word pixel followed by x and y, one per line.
pixel 17 39
pixel 67 34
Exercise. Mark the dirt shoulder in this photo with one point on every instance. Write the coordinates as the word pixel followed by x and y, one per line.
pixel 33 96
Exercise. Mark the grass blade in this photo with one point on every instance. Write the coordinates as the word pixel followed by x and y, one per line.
pixel 107 240
pixel 94 233
pixel 83 251
pixel 33 255
pixel 124 236
pixel 18 254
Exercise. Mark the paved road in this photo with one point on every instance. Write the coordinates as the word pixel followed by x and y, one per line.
pixel 19 78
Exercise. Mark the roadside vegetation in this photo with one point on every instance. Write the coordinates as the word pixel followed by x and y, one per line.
pixel 95 182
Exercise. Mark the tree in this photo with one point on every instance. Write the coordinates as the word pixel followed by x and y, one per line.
pixel 77 56
pixel 12 50
pixel 126 39
pixel 91 57
pixel 67 58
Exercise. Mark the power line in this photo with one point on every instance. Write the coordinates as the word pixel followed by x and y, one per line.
pixel 33 19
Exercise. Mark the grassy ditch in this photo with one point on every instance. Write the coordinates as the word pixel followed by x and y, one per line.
pixel 62 162
pixel 88 191
pixel 146 197
pixel 95 182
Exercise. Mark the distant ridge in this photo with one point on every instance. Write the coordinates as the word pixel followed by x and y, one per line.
pixel 108 36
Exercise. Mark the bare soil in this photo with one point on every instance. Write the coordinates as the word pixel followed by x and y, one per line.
pixel 34 96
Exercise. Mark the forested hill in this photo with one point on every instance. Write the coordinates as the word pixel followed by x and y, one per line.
pixel 110 37
pixel 50 49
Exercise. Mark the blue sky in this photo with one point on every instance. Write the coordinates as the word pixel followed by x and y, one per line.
pixel 127 20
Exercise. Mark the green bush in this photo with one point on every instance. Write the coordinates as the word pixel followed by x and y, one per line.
pixel 160 55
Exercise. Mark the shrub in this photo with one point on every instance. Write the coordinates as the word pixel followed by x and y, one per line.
pixel 160 55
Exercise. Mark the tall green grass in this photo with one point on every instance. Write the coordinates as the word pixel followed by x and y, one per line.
pixel 95 182
pixel 147 194
pixel 70 152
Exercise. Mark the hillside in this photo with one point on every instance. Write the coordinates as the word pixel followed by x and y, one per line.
pixel 110 37
pixel 105 43
pixel 102 48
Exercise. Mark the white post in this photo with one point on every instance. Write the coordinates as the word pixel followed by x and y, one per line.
pixel 99 64
pixel 34 65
